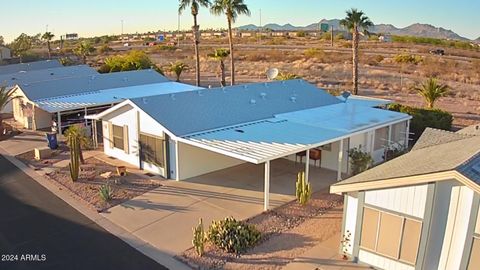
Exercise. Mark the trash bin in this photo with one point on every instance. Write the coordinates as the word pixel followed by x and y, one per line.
pixel 52 140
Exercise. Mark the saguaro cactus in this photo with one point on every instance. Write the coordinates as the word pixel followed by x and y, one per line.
pixel 199 238
pixel 74 159
pixel 303 189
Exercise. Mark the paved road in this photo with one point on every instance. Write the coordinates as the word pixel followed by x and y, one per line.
pixel 35 222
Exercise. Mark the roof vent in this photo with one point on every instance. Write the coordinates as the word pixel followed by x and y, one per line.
pixel 172 96
pixel 224 90
pixel 92 77
pixel 245 86
pixel 199 92
pixel 263 95
pixel 51 73
pixel 13 79
pixel 253 101
pixel 266 84
pixel 293 99
pixel 239 131
pixel 144 100
pixel 125 79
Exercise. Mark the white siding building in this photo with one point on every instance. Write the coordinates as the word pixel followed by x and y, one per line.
pixel 420 210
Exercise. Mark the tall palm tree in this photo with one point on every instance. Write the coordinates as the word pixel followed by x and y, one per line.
pixel 356 21
pixel 6 96
pixel 431 91
pixel 231 8
pixel 194 6
pixel 48 36
pixel 177 68
pixel 220 55
pixel 83 50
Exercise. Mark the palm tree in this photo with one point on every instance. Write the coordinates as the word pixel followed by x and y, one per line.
pixel 194 6
pixel 287 76
pixel 220 55
pixel 48 36
pixel 83 50
pixel 231 8
pixel 431 90
pixel 80 134
pixel 356 22
pixel 177 68
pixel 6 96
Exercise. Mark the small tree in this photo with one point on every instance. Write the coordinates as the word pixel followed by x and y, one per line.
pixel 220 55
pixel 21 45
pixel 80 135
pixel 48 36
pixel 177 68
pixel 6 96
pixel 431 91
pixel 83 50
pixel 360 161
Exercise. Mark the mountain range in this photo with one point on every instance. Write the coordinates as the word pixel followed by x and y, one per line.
pixel 416 29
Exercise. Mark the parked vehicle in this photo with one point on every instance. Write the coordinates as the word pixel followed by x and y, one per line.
pixel 437 52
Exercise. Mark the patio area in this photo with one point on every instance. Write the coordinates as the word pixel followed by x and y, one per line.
pixel 164 217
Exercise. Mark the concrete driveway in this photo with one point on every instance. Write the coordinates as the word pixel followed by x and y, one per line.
pixel 23 142
pixel 165 216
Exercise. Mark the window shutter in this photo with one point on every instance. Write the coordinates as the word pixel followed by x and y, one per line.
pixel 110 135
pixel 125 139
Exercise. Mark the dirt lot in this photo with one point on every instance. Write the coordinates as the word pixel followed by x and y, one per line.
pixel 330 68
pixel 287 232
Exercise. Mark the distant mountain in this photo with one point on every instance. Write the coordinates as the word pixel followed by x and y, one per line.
pixel 416 29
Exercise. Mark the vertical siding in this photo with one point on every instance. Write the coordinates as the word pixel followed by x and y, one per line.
pixel 382 262
pixel 457 227
pixel 407 200
pixel 351 218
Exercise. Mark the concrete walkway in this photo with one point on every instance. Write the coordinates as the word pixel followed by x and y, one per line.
pixel 165 216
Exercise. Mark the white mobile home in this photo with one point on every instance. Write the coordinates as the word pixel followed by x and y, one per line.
pixel 420 210
pixel 5 53
pixel 192 133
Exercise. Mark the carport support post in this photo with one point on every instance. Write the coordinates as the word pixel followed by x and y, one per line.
pixel 59 122
pixel 266 188
pixel 340 161
pixel 307 165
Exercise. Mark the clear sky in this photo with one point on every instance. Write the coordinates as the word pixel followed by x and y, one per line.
pixel 99 17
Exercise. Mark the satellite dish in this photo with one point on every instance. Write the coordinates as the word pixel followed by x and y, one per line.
pixel 272 73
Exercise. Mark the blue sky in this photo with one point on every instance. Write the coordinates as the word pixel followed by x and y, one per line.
pixel 98 17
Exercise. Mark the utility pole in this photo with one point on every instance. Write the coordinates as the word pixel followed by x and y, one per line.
pixel 331 35
pixel 121 36
pixel 178 30
pixel 46 28
pixel 260 28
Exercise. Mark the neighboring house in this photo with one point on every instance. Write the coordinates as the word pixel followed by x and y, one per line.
pixel 187 134
pixel 72 36
pixel 420 210
pixel 9 69
pixel 5 53
pixel 68 100
pixel 36 72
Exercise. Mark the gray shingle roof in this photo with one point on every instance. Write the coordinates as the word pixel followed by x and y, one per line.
pixel 432 137
pixel 470 130
pixel 76 85
pixel 7 69
pixel 208 109
pixel 437 151
pixel 32 76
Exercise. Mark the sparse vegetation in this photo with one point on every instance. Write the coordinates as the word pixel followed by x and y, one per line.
pixel 431 90
pixel 177 68
pixel 233 236
pixel 134 60
pixel 106 193
pixel 405 58
pixel 283 76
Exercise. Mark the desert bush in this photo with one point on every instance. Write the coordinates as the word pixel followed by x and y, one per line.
pixel 134 60
pixel 405 58
pixel 276 41
pixel 360 161
pixel 162 48
pixel 339 36
pixel 106 193
pixel 104 49
pixel 314 53
pixel 423 118
pixel 30 56
pixel 66 61
pixel 233 236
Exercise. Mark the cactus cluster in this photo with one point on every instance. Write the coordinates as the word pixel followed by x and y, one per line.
pixel 233 236
pixel 199 238
pixel 303 189
pixel 74 158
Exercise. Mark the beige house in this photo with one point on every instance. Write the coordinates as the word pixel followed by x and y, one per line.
pixel 5 53
pixel 420 210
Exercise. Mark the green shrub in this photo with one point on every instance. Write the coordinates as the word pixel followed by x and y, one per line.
pixel 314 53
pixel 30 56
pixel 106 193
pixel 233 236
pixel 435 41
pixel 423 118
pixel 360 161
pixel 134 60
pixel 405 58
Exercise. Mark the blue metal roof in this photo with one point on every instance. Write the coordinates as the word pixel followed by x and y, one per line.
pixel 27 77
pixel 471 168
pixel 14 68
pixel 76 85
pixel 195 111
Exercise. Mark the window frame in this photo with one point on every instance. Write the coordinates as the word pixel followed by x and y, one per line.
pixel 161 164
pixel 117 137
pixel 404 218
